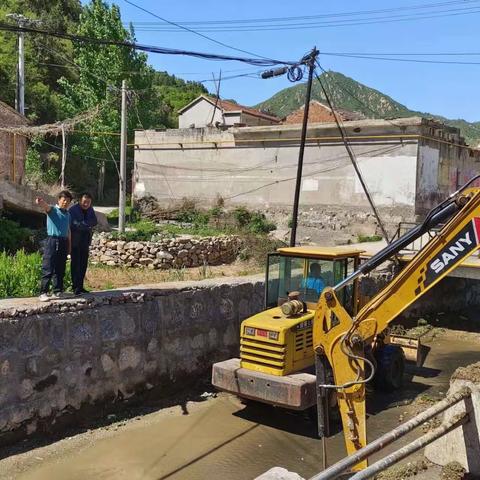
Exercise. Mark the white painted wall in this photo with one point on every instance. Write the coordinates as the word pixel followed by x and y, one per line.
pixel 201 113
pixel 391 179
pixel 265 175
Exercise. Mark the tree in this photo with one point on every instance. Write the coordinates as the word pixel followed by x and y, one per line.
pixel 102 69
pixel 43 55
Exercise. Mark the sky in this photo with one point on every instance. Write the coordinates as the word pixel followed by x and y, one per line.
pixel 451 90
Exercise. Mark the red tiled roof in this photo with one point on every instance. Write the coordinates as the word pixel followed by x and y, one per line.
pixel 320 113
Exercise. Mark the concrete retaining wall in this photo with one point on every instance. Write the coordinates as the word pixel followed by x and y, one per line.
pixel 58 357
pixel 462 444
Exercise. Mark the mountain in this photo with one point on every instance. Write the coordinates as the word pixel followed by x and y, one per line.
pixel 351 95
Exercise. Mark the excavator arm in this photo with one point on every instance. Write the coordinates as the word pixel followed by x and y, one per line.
pixel 346 342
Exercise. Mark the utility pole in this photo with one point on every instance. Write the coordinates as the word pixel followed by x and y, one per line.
pixel 122 191
pixel 21 21
pixel 310 61
pixel 64 156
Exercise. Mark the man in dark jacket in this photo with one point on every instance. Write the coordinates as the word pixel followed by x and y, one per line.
pixel 82 221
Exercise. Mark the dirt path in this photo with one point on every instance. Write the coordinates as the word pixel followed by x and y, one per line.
pixel 220 438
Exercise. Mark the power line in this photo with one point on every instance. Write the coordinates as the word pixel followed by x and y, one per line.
pixel 191 30
pixel 261 62
pixel 327 24
pixel 408 60
pixel 326 15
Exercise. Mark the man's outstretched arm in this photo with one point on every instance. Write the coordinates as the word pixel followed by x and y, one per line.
pixel 43 204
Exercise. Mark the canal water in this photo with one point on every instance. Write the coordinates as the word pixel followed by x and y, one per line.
pixel 221 438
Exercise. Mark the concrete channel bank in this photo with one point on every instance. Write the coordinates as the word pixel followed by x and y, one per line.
pixel 61 356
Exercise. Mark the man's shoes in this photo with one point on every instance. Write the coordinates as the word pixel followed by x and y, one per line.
pixel 44 297
pixel 58 295
pixel 77 292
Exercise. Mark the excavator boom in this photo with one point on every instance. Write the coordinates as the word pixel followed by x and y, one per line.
pixel 345 341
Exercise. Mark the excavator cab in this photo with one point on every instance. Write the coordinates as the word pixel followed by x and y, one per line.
pixel 308 270
pixel 276 363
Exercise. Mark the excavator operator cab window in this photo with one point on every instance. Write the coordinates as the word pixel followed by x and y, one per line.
pixel 309 276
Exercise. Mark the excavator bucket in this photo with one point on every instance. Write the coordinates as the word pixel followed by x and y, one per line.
pixel 412 347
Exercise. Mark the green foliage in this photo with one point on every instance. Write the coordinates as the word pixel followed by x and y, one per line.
pixel 20 274
pixel 14 237
pixel 42 55
pixel 131 214
pixel 171 94
pixel 369 238
pixel 254 222
pixel 36 170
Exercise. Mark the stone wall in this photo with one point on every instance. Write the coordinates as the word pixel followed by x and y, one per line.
pixel 61 356
pixel 165 254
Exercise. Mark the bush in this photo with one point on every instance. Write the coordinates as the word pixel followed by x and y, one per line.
pixel 369 238
pixel 254 222
pixel 20 274
pixel 13 237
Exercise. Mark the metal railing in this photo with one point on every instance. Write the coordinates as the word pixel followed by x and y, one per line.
pixel 342 466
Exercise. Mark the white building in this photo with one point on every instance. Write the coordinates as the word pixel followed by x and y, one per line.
pixel 208 111
pixel 409 162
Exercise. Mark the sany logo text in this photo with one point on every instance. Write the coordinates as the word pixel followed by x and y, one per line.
pixel 450 253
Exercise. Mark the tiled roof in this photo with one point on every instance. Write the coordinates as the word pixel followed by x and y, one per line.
pixel 320 113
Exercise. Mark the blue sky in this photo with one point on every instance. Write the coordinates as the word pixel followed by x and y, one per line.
pixel 446 89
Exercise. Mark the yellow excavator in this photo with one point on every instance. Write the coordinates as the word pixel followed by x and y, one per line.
pixel 314 346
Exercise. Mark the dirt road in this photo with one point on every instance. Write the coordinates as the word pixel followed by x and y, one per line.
pixel 220 438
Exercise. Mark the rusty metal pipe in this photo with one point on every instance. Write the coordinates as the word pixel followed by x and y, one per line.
pixel 407 450
pixel 388 438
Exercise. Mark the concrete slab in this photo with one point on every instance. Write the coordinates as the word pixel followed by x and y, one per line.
pixel 462 444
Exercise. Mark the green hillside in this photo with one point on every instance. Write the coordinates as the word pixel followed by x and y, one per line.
pixel 351 95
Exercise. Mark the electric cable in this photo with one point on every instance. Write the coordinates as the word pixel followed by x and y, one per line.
pixel 326 24
pixel 324 15
pixel 191 30
pixel 261 62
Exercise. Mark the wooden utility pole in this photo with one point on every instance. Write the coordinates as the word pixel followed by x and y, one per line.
pixel 310 61
pixel 122 190
pixel 64 155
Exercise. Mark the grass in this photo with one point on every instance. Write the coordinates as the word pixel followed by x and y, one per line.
pixel 100 277
pixel 369 238
pixel 20 274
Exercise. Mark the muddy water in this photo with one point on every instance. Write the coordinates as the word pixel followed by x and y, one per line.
pixel 223 439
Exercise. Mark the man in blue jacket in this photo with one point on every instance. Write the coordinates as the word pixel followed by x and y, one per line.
pixel 82 221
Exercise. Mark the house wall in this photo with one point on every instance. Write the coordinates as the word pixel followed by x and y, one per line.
pixel 412 163
pixel 200 115
pixel 442 169
pixel 242 169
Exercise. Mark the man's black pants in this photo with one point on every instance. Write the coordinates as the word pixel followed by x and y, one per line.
pixel 79 263
pixel 54 263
